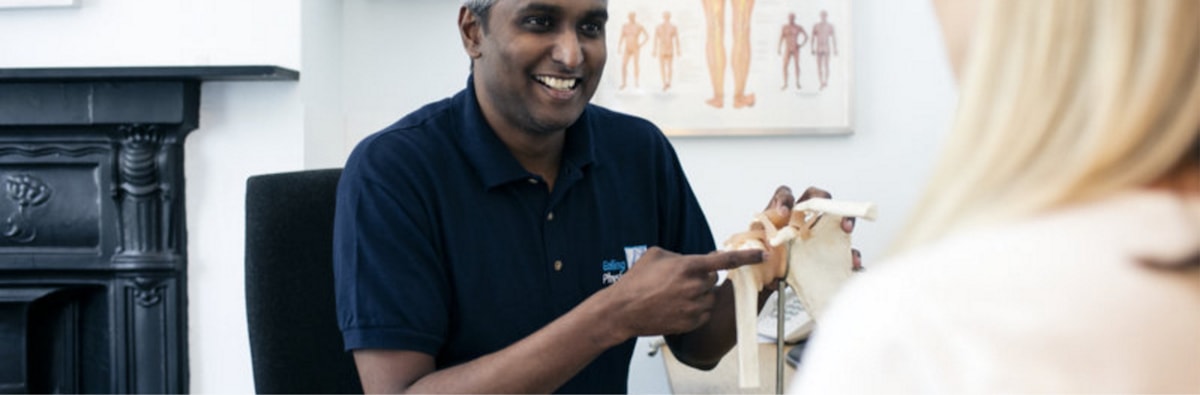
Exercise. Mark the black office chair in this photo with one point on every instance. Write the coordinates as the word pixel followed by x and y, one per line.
pixel 295 343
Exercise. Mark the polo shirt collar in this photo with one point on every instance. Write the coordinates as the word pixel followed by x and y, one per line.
pixel 491 158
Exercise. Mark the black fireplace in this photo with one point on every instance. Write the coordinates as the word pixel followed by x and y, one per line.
pixel 93 250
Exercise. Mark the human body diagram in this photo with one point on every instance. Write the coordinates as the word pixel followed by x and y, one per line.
pixel 736 57
pixel 824 45
pixel 633 37
pixel 791 39
pixel 666 48
pixel 716 65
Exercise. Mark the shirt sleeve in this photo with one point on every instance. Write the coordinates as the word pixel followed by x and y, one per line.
pixel 392 292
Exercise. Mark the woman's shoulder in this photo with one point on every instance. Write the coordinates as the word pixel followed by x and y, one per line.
pixel 1030 297
pixel 1061 269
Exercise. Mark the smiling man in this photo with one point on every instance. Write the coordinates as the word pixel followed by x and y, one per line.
pixel 515 238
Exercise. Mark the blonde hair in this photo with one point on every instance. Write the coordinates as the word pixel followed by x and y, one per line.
pixel 1065 101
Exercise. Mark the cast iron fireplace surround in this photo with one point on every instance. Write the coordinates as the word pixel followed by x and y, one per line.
pixel 93 249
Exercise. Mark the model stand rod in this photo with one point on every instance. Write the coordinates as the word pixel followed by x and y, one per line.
pixel 780 305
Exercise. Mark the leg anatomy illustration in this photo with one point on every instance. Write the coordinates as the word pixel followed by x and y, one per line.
pixel 714 11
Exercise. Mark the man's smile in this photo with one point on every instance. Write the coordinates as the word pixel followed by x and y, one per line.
pixel 556 83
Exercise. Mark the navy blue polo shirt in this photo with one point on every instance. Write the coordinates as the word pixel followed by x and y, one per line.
pixel 445 245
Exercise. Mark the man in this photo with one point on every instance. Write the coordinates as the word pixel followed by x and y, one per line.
pixel 789 39
pixel 633 37
pixel 487 242
pixel 822 35
pixel 666 47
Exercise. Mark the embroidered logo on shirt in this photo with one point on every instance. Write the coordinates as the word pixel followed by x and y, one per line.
pixel 613 270
pixel 633 253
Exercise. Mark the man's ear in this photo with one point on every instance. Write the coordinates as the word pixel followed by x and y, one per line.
pixel 471 30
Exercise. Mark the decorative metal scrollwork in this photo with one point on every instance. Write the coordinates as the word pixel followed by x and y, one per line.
pixel 26 192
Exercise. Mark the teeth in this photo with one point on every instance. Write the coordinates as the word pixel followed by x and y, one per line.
pixel 558 83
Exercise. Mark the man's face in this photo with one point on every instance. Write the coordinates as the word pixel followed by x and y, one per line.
pixel 539 62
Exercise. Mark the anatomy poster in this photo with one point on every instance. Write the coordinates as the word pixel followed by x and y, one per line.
pixel 731 67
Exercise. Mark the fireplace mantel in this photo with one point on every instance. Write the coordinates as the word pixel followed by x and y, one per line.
pixel 145 73
pixel 93 249
pixel 115 95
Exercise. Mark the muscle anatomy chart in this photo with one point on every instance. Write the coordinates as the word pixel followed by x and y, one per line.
pixel 732 66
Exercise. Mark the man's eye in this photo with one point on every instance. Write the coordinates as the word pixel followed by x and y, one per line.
pixel 592 29
pixel 537 22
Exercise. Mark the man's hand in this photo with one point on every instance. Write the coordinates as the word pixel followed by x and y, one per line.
pixel 668 293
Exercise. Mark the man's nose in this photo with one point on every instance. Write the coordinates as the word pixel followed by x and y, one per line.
pixel 567 50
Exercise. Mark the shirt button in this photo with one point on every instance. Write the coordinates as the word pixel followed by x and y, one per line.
pixel 550 217
pixel 533 181
pixel 558 266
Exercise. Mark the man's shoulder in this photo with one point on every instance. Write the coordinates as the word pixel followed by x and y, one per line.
pixel 418 131
pixel 433 115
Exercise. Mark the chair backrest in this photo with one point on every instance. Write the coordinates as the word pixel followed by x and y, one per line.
pixel 295 343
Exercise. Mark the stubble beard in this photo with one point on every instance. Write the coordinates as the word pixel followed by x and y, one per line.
pixel 544 128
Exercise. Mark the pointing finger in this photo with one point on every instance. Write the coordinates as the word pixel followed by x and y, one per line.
pixel 729 259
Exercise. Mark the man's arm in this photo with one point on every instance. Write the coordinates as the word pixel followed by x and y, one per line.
pixel 782 39
pixel 663 293
pixel 815 37
pixel 539 363
pixel 657 38
pixel 833 39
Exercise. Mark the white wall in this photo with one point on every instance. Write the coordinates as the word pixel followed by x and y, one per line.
pixel 398 56
pixel 245 129
pixel 321 86
pixel 152 32
pixel 365 63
